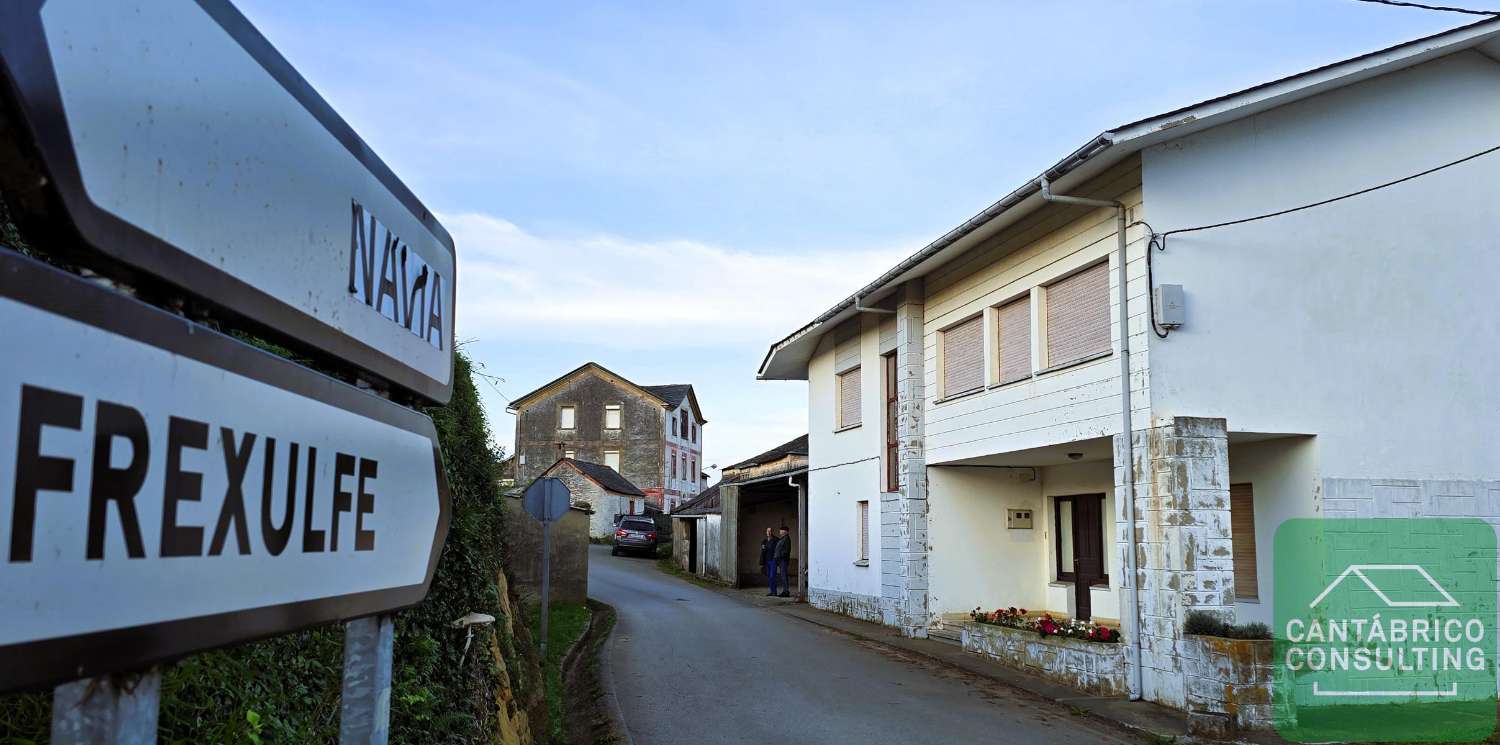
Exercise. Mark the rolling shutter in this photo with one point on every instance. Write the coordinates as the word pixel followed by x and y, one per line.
pixel 1078 316
pixel 849 386
pixel 1242 530
pixel 1013 337
pixel 963 357
pixel 864 531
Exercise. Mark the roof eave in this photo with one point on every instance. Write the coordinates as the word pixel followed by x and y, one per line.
pixel 788 358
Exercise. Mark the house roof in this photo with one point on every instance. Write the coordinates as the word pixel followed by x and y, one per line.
pixel 706 503
pixel 787 359
pixel 669 395
pixel 795 446
pixel 607 478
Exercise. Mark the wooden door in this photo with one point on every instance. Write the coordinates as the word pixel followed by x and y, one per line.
pixel 1088 549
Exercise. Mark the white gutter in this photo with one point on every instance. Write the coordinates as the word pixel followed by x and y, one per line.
pixel 1126 433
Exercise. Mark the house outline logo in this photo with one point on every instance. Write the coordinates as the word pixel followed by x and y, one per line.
pixel 1358 570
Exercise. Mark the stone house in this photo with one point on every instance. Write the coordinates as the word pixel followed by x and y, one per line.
pixel 601 489
pixel 652 435
pixel 1296 344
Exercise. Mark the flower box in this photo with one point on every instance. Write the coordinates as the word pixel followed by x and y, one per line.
pixel 1093 667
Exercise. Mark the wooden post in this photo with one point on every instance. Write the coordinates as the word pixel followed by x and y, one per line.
pixel 107 710
pixel 365 718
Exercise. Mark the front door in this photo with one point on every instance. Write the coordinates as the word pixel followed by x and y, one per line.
pixel 1080 547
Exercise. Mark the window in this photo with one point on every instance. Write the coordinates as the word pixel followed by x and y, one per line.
pixel 566 417
pixel 674 465
pixel 963 357
pixel 632 507
pixel 1242 530
pixel 674 426
pixel 892 443
pixel 684 418
pixel 1078 316
pixel 692 474
pixel 612 459
pixel 695 431
pixel 570 454
pixel 611 416
pixel 864 531
pixel 849 386
pixel 1013 340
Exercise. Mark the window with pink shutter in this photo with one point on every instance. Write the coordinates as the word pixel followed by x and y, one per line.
pixel 1078 316
pixel 1013 340
pixel 849 392
pixel 963 357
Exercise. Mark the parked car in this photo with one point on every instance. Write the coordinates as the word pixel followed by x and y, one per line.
pixel 635 534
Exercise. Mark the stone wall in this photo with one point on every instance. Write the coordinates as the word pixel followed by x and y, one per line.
pixel 863 607
pixel 1093 667
pixel 1229 680
pixel 1184 556
pixel 569 555
pixel 641 438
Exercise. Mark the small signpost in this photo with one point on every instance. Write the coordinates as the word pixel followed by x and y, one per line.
pixel 547 500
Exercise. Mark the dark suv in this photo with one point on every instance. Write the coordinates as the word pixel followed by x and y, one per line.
pixel 635 534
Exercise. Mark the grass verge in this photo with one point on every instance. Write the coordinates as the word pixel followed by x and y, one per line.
pixel 565 626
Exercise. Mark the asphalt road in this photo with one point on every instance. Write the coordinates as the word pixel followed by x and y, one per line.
pixel 689 665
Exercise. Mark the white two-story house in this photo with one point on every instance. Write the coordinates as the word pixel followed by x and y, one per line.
pixel 1310 325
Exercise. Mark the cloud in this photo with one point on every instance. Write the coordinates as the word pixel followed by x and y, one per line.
pixel 626 294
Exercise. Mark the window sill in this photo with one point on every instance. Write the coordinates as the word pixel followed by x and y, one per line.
pixel 1012 381
pixel 1102 584
pixel 1251 601
pixel 1075 363
pixel 961 394
pixel 862 563
pixel 848 427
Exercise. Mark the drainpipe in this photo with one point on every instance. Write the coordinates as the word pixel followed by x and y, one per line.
pixel 1126 433
pixel 801 538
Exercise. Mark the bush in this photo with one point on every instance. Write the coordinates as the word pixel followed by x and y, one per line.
pixel 1204 623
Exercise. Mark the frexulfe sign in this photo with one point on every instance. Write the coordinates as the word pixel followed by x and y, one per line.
pixel 183 145
pixel 166 489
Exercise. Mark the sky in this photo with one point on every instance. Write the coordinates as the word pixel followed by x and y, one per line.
pixel 668 188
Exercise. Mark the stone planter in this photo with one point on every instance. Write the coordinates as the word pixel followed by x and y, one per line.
pixel 1093 667
pixel 1229 679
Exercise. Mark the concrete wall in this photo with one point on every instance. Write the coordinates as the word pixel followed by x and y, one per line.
pixel 834 493
pixel 685 484
pixel 640 439
pixel 1369 322
pixel 1283 474
pixel 569 555
pixel 975 561
pixel 1069 404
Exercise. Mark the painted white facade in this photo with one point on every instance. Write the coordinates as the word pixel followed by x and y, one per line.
pixel 683 456
pixel 1338 360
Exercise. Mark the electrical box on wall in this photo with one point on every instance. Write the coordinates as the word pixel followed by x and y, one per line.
pixel 1018 519
pixel 1171 310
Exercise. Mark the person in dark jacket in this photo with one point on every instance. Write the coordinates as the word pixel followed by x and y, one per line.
pixel 783 557
pixel 768 559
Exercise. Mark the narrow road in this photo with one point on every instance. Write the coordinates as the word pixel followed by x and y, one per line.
pixel 689 665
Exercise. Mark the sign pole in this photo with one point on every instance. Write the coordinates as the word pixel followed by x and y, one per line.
pixel 546 582
pixel 365 714
pixel 107 710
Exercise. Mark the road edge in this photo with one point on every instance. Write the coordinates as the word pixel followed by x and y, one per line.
pixel 605 650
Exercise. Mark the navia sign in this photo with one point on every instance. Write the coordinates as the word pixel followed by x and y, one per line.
pixel 166 489
pixel 184 146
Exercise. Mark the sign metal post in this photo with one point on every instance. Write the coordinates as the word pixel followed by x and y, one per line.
pixel 547 500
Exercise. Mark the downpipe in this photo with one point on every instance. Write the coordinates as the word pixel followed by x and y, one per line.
pixel 1127 434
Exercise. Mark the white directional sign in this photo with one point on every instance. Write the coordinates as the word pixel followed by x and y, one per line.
pixel 166 489
pixel 182 145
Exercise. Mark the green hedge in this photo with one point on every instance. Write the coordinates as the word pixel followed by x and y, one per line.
pixel 287 689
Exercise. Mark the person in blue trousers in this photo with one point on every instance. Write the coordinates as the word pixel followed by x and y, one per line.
pixel 768 559
pixel 783 557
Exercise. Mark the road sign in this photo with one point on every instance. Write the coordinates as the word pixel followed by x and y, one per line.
pixel 547 499
pixel 182 145
pixel 175 490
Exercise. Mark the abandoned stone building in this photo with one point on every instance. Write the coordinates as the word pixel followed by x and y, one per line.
pixel 602 490
pixel 652 435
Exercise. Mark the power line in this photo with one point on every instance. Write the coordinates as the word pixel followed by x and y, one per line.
pixel 1444 8
pixel 1339 198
